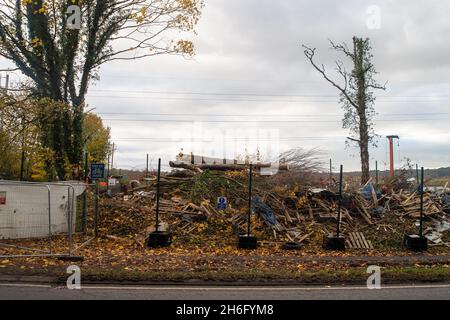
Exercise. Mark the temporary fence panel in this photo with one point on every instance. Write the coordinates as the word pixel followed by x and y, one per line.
pixel 31 210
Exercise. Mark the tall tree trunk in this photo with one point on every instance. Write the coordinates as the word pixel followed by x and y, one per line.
pixel 364 154
pixel 361 98
pixel 77 135
pixel 356 94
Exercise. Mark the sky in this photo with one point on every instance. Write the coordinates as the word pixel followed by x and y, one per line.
pixel 250 86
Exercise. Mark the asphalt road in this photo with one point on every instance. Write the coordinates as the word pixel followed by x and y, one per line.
pixel 408 292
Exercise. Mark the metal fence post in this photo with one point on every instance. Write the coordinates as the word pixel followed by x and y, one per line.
pixel 86 175
pixel 96 210
pixel 250 182
pixel 70 212
pixel 339 203
pixel 49 219
pixel 421 203
pixel 158 193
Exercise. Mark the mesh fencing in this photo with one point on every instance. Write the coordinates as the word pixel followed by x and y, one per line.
pixel 44 219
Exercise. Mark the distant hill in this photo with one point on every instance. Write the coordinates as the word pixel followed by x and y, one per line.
pixel 429 173
pixel 438 173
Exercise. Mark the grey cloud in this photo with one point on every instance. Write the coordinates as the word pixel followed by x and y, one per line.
pixel 254 46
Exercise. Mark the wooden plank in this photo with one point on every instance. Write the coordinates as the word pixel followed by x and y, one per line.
pixel 363 240
pixel 349 244
pixel 358 238
pixel 351 239
pixel 366 242
pixel 409 198
pixel 363 214
pixel 305 237
pixel 355 242
pixel 311 214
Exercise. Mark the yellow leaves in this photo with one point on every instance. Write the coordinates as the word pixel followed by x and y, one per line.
pixel 97 137
pixel 184 47
pixel 186 4
pixel 143 11
pixel 36 42
pixel 43 9
pixel 302 201
pixel 141 15
pixel 300 267
pixel 236 174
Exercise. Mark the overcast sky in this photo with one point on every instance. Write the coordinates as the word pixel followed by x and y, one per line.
pixel 250 85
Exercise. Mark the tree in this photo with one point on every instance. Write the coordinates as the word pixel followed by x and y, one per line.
pixel 304 160
pixel 18 134
pixel 96 137
pixel 25 138
pixel 61 61
pixel 356 94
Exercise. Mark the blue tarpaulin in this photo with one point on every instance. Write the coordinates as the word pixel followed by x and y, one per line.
pixel 446 199
pixel 367 191
pixel 263 210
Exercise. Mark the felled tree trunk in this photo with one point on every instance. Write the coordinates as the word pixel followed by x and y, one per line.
pixel 221 167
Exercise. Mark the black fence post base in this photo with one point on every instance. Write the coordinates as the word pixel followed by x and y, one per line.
pixel 247 242
pixel 332 242
pixel 71 258
pixel 292 246
pixel 415 242
pixel 158 239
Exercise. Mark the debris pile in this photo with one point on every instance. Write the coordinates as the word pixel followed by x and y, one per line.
pixel 299 214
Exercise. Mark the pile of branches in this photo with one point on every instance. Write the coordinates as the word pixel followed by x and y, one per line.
pixel 281 213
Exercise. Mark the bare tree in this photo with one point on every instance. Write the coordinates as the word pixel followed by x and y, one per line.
pixel 300 159
pixel 356 94
pixel 62 61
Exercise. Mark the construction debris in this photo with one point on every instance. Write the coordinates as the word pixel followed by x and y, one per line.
pixel 358 241
pixel 223 167
pixel 281 214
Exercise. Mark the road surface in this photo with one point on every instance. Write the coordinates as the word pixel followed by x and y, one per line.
pixel 92 292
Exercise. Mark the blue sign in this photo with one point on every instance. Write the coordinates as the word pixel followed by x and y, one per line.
pixel 221 203
pixel 97 171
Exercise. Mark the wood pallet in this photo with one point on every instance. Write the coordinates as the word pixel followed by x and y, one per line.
pixel 356 240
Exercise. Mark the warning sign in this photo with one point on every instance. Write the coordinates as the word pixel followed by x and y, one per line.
pixel 2 197
pixel 221 203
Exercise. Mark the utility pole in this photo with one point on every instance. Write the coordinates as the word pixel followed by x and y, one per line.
pixel 112 156
pixel 108 167
pixel 331 173
pixel 376 172
pixel 417 173
pixel 391 153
